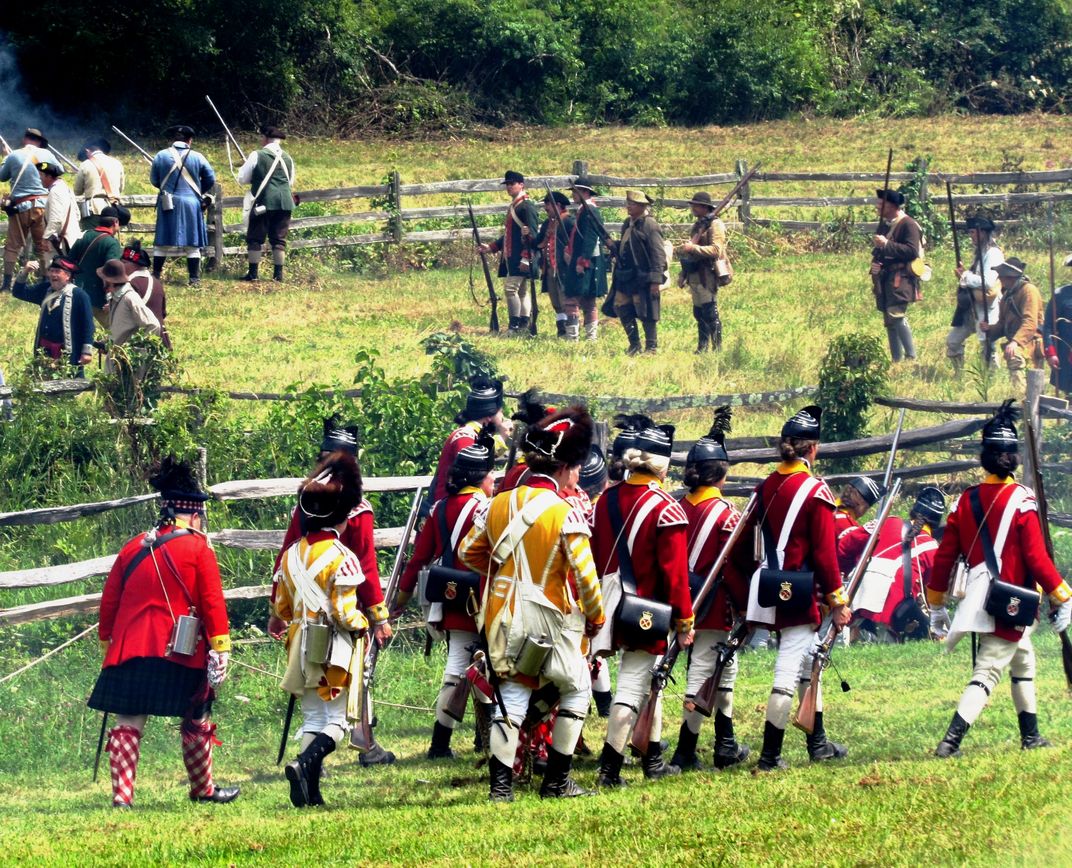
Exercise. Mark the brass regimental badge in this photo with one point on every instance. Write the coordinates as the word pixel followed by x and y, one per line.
pixel 645 620
pixel 786 592
pixel 451 591
pixel 1014 607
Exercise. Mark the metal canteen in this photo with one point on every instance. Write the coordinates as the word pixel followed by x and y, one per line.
pixel 185 635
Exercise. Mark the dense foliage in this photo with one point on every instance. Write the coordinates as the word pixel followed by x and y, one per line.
pixel 350 65
pixel 854 371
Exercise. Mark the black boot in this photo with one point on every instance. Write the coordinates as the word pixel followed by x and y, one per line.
pixel 629 322
pixel 502 781
pixel 950 744
pixel 511 329
pixel 728 751
pixel 277 272
pixel 251 274
pixel 303 773
pixel 6 287
pixel 610 768
pixel 770 758
pixel 557 784
pixel 603 699
pixel 655 766
pixel 701 330
pixel 440 747
pixel 560 327
pixel 1029 733
pixel 158 266
pixel 820 747
pixel 193 269
pixel 685 753
pixel 651 336
pixel 714 325
pixel 522 326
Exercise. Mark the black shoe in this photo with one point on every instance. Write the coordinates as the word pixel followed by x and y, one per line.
pixel 277 273
pixel 728 751
pixel 1029 733
pixel 655 766
pixel 303 773
pixel 560 327
pixel 610 768
pixel 158 266
pixel 522 326
pixel 820 748
pixel 511 329
pixel 603 699
pixel 220 795
pixel 502 781
pixel 376 756
pixel 949 746
pixel 685 753
pixel 252 274
pixel 770 758
pixel 440 747
pixel 557 783
pixel 651 336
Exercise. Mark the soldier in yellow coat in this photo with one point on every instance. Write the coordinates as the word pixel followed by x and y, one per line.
pixel 540 597
pixel 1020 314
pixel 317 596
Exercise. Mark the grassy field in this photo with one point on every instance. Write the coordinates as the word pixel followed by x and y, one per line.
pixel 889 803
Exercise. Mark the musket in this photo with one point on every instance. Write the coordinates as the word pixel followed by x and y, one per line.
pixel 534 313
pixel 805 717
pixel 876 282
pixel 4 143
pixel 493 299
pixel 556 219
pixel 704 700
pixel 661 674
pixel 982 289
pixel 1052 336
pixel 745 178
pixel 953 223
pixel 134 144
pixel 1044 520
pixel 888 475
pixel 100 745
pixel 286 729
pixel 63 158
pixel 362 737
pixel 226 129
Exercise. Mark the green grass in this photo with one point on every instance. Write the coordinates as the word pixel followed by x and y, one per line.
pixel 889 803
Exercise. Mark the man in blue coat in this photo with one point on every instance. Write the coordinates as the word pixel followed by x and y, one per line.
pixel 184 178
pixel 65 327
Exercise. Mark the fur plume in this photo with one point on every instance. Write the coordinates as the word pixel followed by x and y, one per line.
pixel 330 492
pixel 486 438
pixel 633 421
pixel 1008 412
pixel 529 410
pixel 720 426
pixel 174 475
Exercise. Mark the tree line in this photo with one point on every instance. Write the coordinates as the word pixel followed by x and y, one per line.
pixel 352 66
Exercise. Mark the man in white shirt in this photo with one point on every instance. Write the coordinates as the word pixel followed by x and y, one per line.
pixel 61 211
pixel 978 295
pixel 270 175
pixel 100 180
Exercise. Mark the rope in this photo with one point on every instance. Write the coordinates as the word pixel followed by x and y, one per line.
pixel 48 654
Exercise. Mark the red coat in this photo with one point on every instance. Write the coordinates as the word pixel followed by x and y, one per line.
pixel 659 552
pixel 1023 560
pixel 455 443
pixel 888 547
pixel 513 477
pixel 135 619
pixel 430 545
pixel 357 537
pixel 703 552
pixel 810 546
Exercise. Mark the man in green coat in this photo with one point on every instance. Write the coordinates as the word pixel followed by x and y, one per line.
pixel 586 259
pixel 270 175
pixel 91 251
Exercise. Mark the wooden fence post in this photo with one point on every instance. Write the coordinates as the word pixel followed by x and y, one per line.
pixel 924 193
pixel 217 227
pixel 202 467
pixel 744 210
pixel 602 437
pixel 396 206
pixel 580 167
pixel 1036 384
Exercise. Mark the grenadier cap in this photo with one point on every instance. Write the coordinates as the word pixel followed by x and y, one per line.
pixel 564 437
pixel 594 470
pixel 485 398
pixel 930 504
pixel 702 198
pixel 50 167
pixel 804 424
pixel 512 177
pixel 480 455
pixel 34 133
pixel 1011 267
pixel 339 437
pixel 327 497
pixel 655 440
pixel 999 433
pixel 629 424
pixel 868 489
pixel 894 196
pixel 712 446
pixel 638 197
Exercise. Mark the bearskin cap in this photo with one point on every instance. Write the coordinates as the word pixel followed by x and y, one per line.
pixel 331 492
pixel 563 437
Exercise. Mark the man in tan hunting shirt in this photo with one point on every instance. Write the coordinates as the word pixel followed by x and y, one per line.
pixel 700 256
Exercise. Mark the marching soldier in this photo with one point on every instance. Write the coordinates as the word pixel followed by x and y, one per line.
pixel 469 485
pixel 629 425
pixel 639 273
pixel 163 625
pixel 977 297
pixel 893 583
pixel 270 175
pixel 65 325
pixel 791 529
pixel 151 289
pixel 1020 318
pixel 100 180
pixel 857 497
pixel 701 256
pixel 483 405
pixel 896 286
pixel 184 178
pixel 551 240
pixel 640 545
pixel 515 247
pixel 317 596
pixel 528 543
pixel 26 203
pixel 995 527
pixel 586 259
pixel 61 210
pixel 711 521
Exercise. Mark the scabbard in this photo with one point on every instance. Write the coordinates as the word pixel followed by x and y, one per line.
pixel 100 745
pixel 286 729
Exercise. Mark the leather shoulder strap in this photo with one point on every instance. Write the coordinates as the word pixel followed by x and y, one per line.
pixel 146 551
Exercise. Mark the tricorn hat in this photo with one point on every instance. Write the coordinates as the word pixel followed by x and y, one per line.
pixel 638 197
pixel 868 489
pixel 564 437
pixel 338 437
pixel 270 131
pixel 702 198
pixel 485 398
pixel 582 182
pixel 68 265
pixel 930 503
pixel 894 196
pixel 118 212
pixel 804 424
pixel 182 132
pixel 113 271
pixel 327 497
pixel 50 167
pixel 1011 267
pixel 712 446
pixel 980 221
pixel 594 470
pixel 558 198
pixel 512 177
pixel 178 486
pixel 34 133
pixel 999 433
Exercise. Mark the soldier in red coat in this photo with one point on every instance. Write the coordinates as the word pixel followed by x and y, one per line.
pixel 652 531
pixel 163 625
pixel 888 597
pixel 784 563
pixel 530 413
pixel 469 485
pixel 711 521
pixel 857 497
pixel 1010 516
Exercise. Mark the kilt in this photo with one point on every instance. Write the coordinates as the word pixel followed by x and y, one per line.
pixel 154 686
